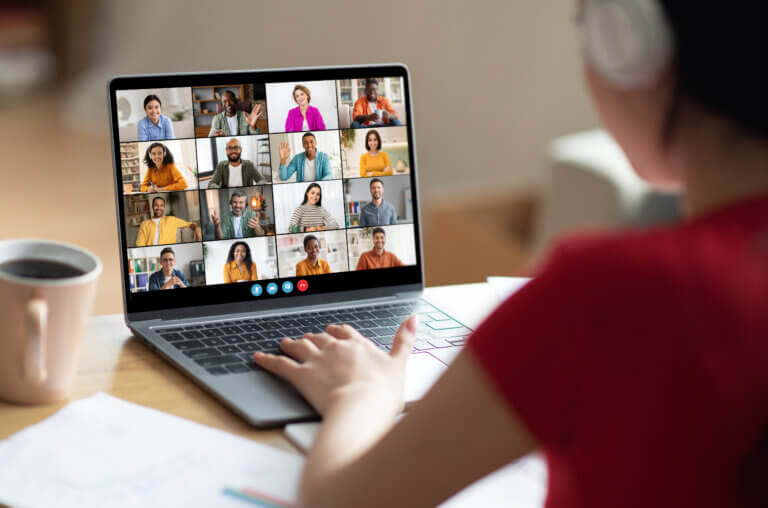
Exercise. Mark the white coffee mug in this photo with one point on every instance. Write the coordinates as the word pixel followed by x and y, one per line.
pixel 43 320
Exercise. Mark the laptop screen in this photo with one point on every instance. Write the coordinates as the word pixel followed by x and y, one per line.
pixel 251 186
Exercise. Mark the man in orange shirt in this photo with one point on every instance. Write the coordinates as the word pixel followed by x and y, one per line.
pixel 372 109
pixel 312 265
pixel 378 257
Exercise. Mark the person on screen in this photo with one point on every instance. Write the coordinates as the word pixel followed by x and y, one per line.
pixel 167 277
pixel 374 162
pixel 378 212
pixel 233 122
pixel 235 172
pixel 378 257
pixel 240 222
pixel 162 229
pixel 310 215
pixel 162 173
pixel 635 362
pixel 155 126
pixel 240 266
pixel 312 264
pixel 309 165
pixel 373 109
pixel 303 117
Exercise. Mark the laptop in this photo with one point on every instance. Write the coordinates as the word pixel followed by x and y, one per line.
pixel 257 205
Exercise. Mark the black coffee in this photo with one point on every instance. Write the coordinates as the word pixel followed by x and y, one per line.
pixel 40 269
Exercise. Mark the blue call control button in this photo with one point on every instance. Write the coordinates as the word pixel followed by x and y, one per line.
pixel 287 286
pixel 256 290
pixel 272 288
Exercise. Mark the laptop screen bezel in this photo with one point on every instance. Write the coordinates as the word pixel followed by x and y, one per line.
pixel 369 284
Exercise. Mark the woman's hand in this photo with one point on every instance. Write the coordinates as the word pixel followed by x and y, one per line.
pixel 341 367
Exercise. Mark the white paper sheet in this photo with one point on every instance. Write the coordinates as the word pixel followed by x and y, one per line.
pixel 103 451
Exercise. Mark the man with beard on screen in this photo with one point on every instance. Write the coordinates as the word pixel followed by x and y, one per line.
pixel 235 172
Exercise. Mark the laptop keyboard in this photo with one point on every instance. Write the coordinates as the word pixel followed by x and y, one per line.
pixel 227 347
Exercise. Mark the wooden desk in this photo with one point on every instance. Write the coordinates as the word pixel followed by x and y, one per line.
pixel 115 362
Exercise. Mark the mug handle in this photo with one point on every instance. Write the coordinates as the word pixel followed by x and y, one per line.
pixel 37 331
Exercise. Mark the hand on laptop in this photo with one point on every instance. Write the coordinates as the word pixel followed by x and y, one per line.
pixel 340 368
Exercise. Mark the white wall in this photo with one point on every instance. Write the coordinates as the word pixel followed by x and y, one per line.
pixel 184 156
pixel 262 254
pixel 280 101
pixel 288 197
pixel 492 81
pixel 327 142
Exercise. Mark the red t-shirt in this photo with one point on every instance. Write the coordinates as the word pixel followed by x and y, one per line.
pixel 640 361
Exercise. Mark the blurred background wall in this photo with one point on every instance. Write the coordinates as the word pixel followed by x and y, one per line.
pixel 492 82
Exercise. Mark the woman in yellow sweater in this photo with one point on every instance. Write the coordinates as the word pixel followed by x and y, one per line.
pixel 240 267
pixel 374 162
pixel 162 173
pixel 312 264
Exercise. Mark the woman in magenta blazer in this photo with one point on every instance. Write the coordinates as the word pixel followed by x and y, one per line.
pixel 303 117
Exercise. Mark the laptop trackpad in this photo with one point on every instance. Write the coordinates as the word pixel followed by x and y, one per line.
pixel 421 373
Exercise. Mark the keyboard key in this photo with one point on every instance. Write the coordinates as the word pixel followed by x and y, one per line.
pixel 437 342
pixel 437 316
pixel 253 336
pixel 249 347
pixel 384 341
pixel 382 313
pixel 443 325
pixel 188 344
pixel 457 342
pixel 270 325
pixel 192 335
pixel 212 332
pixel 231 330
pixel 385 331
pixel 272 334
pixel 202 353
pixel 229 349
pixel 292 333
pixel 387 322
pixel 237 369
pixel 217 360
pixel 304 322
pixel 462 331
pixel 422 345
pixel 172 337
pixel 366 323
pixel 288 323
pixel 215 341
pixel 251 327
pixel 170 330
pixel 217 371
pixel 233 339
pixel 363 315
pixel 269 346
pixel 366 332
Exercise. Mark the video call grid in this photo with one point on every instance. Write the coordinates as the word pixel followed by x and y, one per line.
pixel 271 182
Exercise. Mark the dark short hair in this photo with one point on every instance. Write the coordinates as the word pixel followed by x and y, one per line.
pixel 308 239
pixel 306 194
pixel 378 230
pixel 378 138
pixel 167 155
pixel 375 180
pixel 166 251
pixel 156 198
pixel 308 134
pixel 238 194
pixel 230 92
pixel 371 81
pixel 151 97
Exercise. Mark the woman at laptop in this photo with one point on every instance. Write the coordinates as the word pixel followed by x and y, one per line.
pixel 637 362
pixel 162 173
pixel 310 215
pixel 240 266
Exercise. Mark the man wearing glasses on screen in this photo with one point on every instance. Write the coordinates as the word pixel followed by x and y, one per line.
pixel 167 277
pixel 235 172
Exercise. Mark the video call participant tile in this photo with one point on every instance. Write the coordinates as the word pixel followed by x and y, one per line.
pixel 240 260
pixel 243 212
pixel 156 114
pixel 162 218
pixel 305 156
pixel 381 151
pixel 308 207
pixel 381 201
pixel 316 253
pixel 302 106
pixel 381 247
pixel 229 110
pixel 160 268
pixel 234 161
pixel 370 102
pixel 159 166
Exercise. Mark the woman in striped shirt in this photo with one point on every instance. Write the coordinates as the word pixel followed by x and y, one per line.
pixel 310 215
